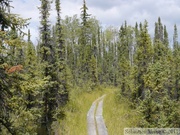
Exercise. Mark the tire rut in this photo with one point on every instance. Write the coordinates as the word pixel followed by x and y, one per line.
pixel 95 121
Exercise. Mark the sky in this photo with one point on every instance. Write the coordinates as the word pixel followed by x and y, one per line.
pixel 108 12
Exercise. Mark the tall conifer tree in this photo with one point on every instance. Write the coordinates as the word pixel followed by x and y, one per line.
pixel 142 60
pixel 47 54
pixel 60 60
pixel 84 42
pixel 176 56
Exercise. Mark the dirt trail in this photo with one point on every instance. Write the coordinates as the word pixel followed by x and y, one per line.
pixel 95 121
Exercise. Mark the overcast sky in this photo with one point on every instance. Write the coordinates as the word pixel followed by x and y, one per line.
pixel 108 12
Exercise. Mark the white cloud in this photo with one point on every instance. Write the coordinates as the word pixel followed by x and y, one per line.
pixel 28 9
pixel 108 12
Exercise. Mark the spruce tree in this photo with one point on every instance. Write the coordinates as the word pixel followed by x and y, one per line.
pixel 93 26
pixel 158 31
pixel 175 38
pixel 84 42
pixel 143 58
pixel 15 23
pixel 84 14
pixel 161 41
pixel 123 57
pixel 60 61
pixel 33 71
pixel 176 65
pixel 166 40
pixel 47 55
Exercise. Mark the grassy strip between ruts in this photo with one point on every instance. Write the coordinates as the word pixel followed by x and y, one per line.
pixel 118 114
pixel 75 122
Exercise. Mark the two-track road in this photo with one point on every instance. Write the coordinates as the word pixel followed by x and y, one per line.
pixel 95 121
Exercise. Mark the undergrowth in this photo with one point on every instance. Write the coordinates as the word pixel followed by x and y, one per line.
pixel 75 122
pixel 118 114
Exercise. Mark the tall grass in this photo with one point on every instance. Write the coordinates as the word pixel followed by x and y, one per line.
pixel 75 122
pixel 118 114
